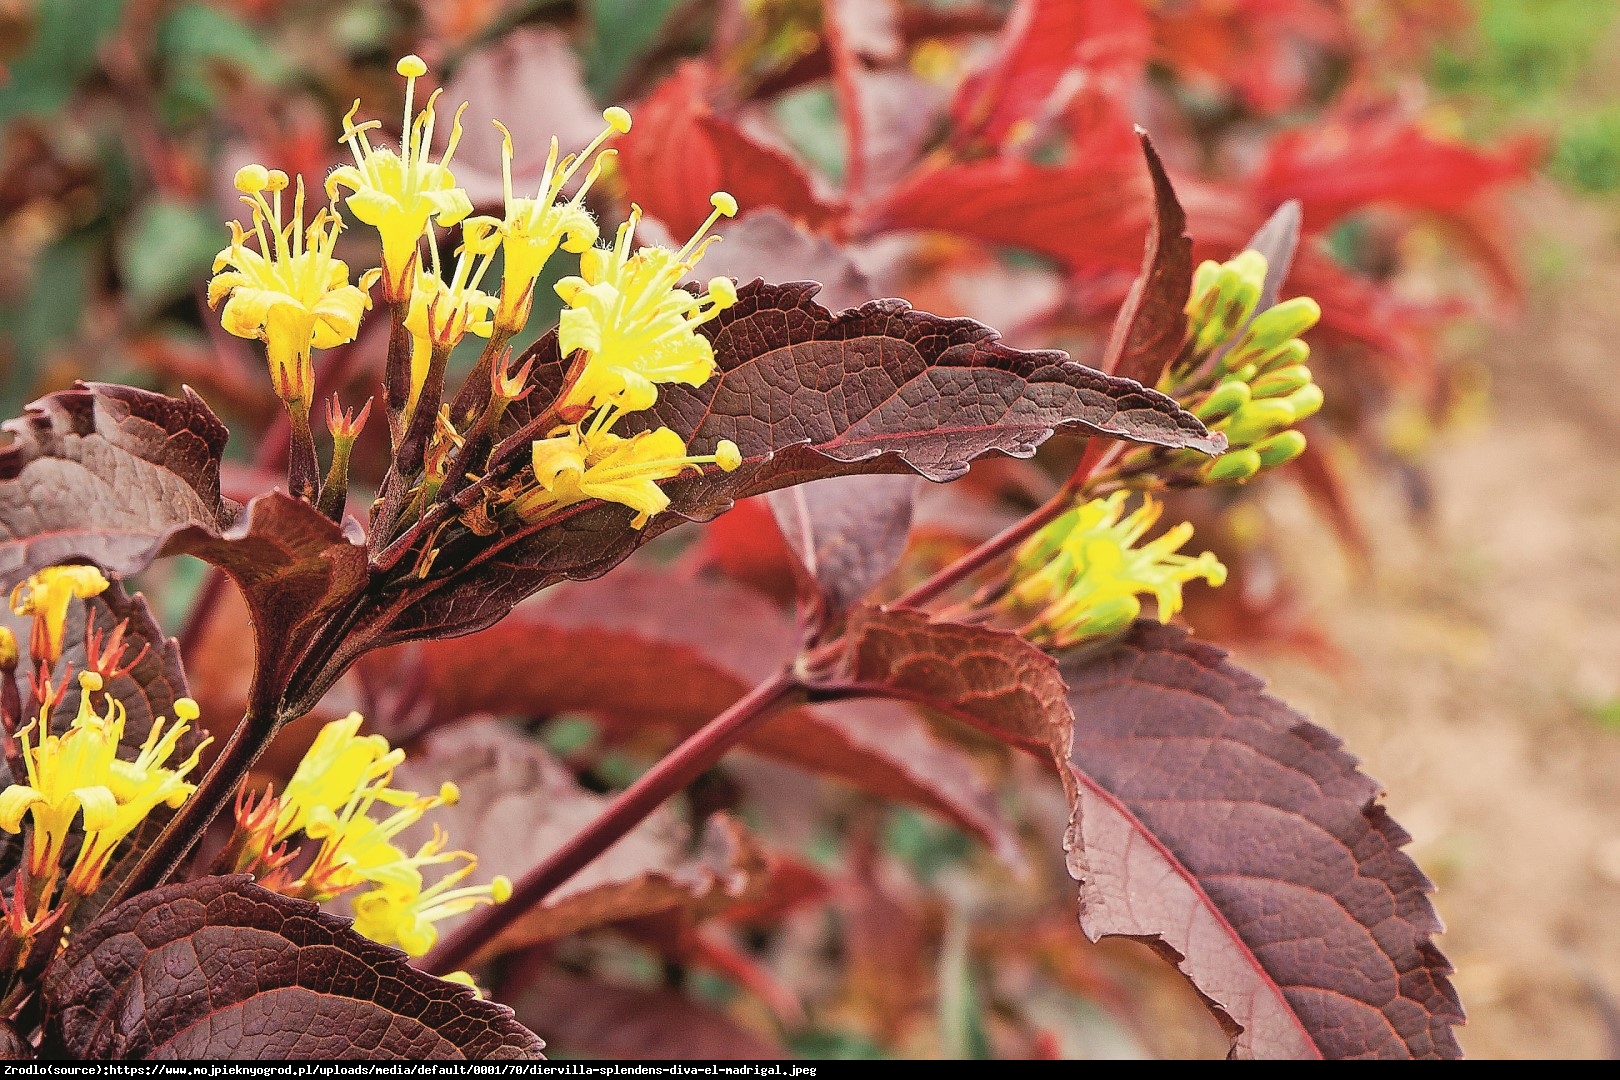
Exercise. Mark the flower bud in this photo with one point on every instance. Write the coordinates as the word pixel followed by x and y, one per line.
pixel 1108 617
pixel 1282 382
pixel 1232 467
pixel 1280 448
pixel 1282 322
pixel 1305 401
pixel 1256 420
pixel 1223 401
pixel 8 650
pixel 1288 354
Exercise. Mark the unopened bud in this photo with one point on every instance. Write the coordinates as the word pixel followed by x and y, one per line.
pixel 1222 401
pixel 1256 420
pixel 1305 401
pixel 1280 448
pixel 1108 617
pixel 8 650
pixel 1282 382
pixel 727 456
pixel 1288 354
pixel 1232 467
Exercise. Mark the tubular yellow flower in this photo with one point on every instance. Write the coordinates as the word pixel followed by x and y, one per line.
pixel 356 850
pixel 443 312
pixel 340 763
pixel 596 464
pixel 399 192
pixel 1086 572
pixel 626 311
pixel 67 775
pixel 46 596
pixel 290 293
pixel 139 786
pixel 532 229
pixel 406 918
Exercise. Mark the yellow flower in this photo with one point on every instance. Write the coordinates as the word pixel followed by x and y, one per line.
pixel 398 192
pixel 67 774
pixel 625 309
pixel 442 312
pixel 46 596
pixel 339 763
pixel 355 849
pixel 1086 572
pixel 290 293
pixel 532 229
pixel 406 918
pixel 139 786
pixel 596 464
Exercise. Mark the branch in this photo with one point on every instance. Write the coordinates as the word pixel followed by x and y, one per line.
pixel 678 769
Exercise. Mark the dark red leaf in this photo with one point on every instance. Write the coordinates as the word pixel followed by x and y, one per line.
pixel 989 678
pixel 1050 48
pixel 805 394
pixel 679 152
pixel 519 804
pixel 1152 323
pixel 294 568
pixel 13 1047
pixel 586 648
pixel 102 474
pixel 848 534
pixel 585 1017
pixel 220 968
pixel 1218 824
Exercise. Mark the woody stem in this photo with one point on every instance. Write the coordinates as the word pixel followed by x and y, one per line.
pixel 674 772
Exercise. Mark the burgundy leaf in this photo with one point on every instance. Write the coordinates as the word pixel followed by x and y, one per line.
pixel 584 1017
pixel 649 653
pixel 1216 823
pixel 1152 323
pixel 989 678
pixel 294 568
pixel 1049 47
pixel 13 1047
pixel 519 804
pixel 102 473
pixel 220 968
pixel 848 533
pixel 805 394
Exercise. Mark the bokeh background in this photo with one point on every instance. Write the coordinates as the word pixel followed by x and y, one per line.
pixel 1438 581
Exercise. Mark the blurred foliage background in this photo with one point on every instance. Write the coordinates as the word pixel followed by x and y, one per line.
pixel 122 121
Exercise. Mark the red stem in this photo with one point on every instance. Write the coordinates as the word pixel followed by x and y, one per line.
pixel 675 771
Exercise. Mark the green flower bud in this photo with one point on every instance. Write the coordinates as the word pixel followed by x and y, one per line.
pixel 1305 401
pixel 1223 401
pixel 1251 266
pixel 1282 322
pixel 1288 354
pixel 1233 467
pixel 1256 420
pixel 1107 617
pixel 1280 383
pixel 1203 282
pixel 1280 448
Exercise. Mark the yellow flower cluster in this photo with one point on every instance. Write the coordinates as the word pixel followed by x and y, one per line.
pixel 1085 572
pixel 628 322
pixel 330 800
pixel 78 776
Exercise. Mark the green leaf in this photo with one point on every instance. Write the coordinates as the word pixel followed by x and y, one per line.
pixel 621 31
pixel 166 247
pixel 195 39
pixel 63 52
